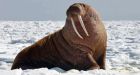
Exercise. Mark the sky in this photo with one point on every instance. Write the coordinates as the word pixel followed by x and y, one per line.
pixel 43 10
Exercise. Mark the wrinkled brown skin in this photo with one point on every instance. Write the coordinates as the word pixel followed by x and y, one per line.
pixel 65 49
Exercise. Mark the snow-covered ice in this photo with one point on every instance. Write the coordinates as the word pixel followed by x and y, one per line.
pixel 123 50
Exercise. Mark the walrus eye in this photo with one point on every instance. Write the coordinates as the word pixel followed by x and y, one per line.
pixel 92 16
pixel 95 18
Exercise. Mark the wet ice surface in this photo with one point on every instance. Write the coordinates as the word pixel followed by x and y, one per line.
pixel 123 50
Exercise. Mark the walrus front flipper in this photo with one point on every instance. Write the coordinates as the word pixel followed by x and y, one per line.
pixel 94 65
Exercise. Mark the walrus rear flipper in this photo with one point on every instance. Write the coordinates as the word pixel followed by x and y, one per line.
pixel 93 63
pixel 23 67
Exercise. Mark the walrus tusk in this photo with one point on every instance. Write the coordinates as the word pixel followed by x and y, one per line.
pixel 74 27
pixel 82 24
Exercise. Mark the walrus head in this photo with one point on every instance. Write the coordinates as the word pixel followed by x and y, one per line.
pixel 83 25
pixel 80 14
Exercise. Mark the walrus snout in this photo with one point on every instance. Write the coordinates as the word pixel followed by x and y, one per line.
pixel 73 10
pixel 75 13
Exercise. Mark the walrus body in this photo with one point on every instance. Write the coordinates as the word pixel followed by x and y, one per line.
pixel 65 49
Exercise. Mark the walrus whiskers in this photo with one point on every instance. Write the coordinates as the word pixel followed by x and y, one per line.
pixel 74 27
pixel 82 24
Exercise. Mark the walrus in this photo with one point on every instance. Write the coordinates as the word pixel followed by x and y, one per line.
pixel 80 44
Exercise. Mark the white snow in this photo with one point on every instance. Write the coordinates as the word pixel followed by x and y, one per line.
pixel 123 50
